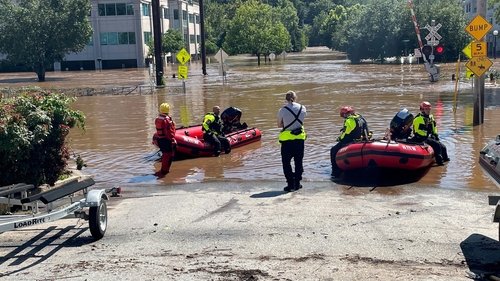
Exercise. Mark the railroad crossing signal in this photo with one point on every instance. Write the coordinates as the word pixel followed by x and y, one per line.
pixel 183 56
pixel 478 27
pixel 479 65
pixel 433 37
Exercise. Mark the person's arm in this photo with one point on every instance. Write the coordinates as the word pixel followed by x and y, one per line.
pixel 280 120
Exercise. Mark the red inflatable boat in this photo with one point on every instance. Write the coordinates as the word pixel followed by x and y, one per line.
pixel 384 154
pixel 190 142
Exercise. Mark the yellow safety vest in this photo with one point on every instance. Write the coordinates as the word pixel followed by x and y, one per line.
pixel 423 126
pixel 287 135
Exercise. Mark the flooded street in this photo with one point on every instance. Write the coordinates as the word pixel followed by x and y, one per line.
pixel 117 142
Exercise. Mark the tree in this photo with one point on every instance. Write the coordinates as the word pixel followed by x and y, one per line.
pixel 257 31
pixel 39 32
pixel 172 41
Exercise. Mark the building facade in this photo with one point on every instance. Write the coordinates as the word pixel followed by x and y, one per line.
pixel 122 29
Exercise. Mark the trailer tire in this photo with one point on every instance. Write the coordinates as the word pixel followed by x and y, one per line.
pixel 98 219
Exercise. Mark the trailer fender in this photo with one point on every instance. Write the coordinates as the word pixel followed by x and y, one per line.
pixel 94 197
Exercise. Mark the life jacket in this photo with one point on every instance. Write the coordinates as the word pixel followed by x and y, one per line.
pixel 165 127
pixel 355 129
pixel 296 134
pixel 424 126
pixel 212 124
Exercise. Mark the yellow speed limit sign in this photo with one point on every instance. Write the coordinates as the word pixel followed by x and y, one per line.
pixel 478 49
pixel 182 72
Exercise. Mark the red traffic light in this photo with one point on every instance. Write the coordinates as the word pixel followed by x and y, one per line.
pixel 439 50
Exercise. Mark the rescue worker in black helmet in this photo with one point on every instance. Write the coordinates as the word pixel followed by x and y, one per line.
pixel 164 137
pixel 212 132
pixel 355 129
pixel 425 130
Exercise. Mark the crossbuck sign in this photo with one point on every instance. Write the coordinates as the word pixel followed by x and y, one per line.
pixel 433 37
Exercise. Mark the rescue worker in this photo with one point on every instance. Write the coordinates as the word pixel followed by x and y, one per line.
pixel 355 129
pixel 425 130
pixel 212 132
pixel 292 138
pixel 165 133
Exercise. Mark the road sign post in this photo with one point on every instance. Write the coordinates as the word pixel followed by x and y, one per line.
pixel 479 63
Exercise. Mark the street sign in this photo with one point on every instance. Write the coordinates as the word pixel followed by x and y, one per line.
pixel 221 56
pixel 479 65
pixel 182 72
pixel 468 50
pixel 478 27
pixel 417 53
pixel 478 49
pixel 183 56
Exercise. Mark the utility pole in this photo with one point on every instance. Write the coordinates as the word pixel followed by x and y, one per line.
pixel 478 118
pixel 202 34
pixel 157 42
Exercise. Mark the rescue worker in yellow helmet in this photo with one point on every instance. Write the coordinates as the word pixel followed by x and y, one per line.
pixel 425 130
pixel 165 133
pixel 212 132
pixel 355 129
pixel 292 138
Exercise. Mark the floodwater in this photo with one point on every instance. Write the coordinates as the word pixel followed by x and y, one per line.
pixel 117 142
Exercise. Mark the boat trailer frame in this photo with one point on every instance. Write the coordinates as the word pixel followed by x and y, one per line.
pixel 92 207
pixel 492 201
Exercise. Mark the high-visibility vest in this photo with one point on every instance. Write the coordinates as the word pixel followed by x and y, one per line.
pixel 212 124
pixel 423 126
pixel 287 135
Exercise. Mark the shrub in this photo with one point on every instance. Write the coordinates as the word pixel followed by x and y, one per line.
pixel 33 129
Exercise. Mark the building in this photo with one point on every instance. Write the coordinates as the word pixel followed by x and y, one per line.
pixel 470 8
pixel 122 29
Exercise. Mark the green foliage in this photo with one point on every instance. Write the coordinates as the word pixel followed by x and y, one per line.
pixel 172 41
pixel 33 128
pixel 38 32
pixel 257 31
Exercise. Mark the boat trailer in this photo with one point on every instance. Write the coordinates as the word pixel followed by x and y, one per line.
pixel 92 207
pixel 495 200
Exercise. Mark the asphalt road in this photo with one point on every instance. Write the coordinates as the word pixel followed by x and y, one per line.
pixel 254 231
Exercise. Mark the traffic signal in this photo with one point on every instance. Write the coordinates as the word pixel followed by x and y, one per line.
pixel 439 49
pixel 427 50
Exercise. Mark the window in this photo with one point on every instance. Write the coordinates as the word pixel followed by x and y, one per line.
pixel 197 17
pixel 111 9
pixel 166 13
pixel 112 38
pixel 191 18
pixel 123 38
pixel 101 10
pixel 184 16
pixel 198 37
pixel 131 37
pixel 117 38
pixel 147 37
pixel 145 9
pixel 191 38
pixel 114 9
pixel 130 9
pixel 176 14
pixel 121 9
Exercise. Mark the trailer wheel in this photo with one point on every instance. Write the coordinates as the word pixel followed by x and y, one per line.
pixel 98 220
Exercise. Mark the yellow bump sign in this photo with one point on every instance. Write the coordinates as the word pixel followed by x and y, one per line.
pixel 479 65
pixel 478 27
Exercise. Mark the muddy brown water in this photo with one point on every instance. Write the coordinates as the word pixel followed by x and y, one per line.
pixel 117 141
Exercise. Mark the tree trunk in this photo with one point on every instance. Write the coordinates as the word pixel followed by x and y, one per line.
pixel 40 72
pixel 258 59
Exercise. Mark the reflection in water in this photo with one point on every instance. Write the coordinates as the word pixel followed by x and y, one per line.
pixel 119 128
